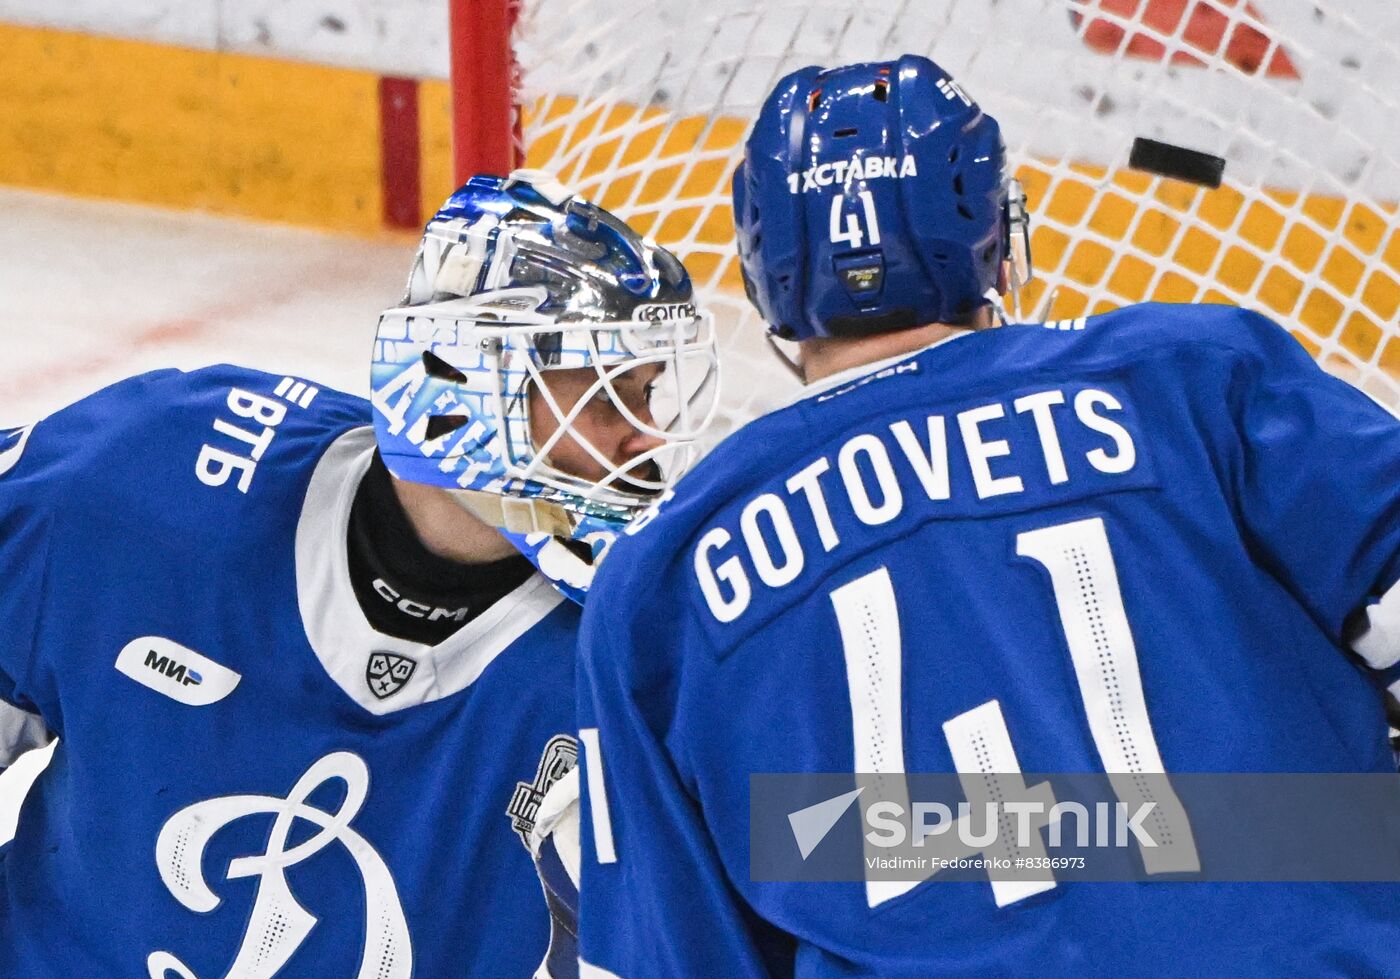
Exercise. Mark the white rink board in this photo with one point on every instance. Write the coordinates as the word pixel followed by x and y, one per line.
pixel 405 37
pixel 91 293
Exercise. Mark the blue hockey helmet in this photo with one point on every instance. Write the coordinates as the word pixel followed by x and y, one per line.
pixel 516 277
pixel 875 198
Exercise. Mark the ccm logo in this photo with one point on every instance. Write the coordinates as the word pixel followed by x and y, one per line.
pixel 417 609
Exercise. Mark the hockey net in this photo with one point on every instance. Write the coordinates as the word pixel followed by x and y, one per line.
pixel 644 104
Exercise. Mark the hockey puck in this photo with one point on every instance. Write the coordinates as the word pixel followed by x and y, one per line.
pixel 1176 162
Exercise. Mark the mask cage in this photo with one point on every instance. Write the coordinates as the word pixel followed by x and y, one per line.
pixel 682 404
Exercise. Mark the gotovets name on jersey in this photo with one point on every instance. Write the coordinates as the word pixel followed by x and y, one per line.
pixel 1039 447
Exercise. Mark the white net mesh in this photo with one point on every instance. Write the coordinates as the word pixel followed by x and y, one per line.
pixel 644 104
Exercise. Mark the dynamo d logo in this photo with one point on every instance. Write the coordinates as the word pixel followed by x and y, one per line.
pixel 278 924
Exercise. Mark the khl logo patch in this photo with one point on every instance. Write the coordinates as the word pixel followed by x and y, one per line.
pixel 387 673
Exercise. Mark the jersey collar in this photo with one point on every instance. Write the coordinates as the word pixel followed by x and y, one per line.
pixel 341 637
pixel 862 370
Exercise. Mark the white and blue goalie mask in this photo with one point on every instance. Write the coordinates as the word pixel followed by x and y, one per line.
pixel 515 279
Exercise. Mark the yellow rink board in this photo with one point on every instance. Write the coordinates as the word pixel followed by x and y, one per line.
pixel 1277 250
pixel 435 128
pixel 228 133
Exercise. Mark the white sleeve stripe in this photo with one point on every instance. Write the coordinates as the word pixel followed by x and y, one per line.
pixel 20 731
pixel 9 457
pixel 283 386
pixel 598 796
pixel 1379 643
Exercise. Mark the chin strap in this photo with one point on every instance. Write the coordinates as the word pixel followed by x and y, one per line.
pixel 548 536
pixel 518 516
pixel 998 303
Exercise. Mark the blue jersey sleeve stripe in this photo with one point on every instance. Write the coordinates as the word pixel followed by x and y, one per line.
pixel 559 887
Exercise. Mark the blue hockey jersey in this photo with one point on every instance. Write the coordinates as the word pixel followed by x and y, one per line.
pixel 250 781
pixel 1161 539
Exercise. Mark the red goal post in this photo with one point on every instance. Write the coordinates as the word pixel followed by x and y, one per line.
pixel 485 116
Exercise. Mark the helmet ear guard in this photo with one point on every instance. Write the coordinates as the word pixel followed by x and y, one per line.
pixel 1016 247
pixel 1018 236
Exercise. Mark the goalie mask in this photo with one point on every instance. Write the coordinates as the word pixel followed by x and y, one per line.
pixel 516 279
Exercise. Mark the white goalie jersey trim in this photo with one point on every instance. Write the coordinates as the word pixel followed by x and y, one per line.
pixel 558 817
pixel 1379 641
pixel 558 820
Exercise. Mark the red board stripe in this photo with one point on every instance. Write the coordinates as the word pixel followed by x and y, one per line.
pixel 400 153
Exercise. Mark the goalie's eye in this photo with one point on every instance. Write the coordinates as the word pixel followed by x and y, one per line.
pixel 634 390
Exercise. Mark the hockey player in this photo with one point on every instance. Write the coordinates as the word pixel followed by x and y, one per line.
pixel 308 694
pixel 1155 540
